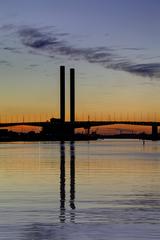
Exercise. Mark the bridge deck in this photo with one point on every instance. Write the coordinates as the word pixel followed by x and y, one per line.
pixel 80 124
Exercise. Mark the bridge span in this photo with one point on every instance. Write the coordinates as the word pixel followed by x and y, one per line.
pixel 56 124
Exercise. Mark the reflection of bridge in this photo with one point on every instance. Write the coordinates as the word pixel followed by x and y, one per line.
pixel 60 127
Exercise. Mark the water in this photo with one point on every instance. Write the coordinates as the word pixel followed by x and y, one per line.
pixel 103 190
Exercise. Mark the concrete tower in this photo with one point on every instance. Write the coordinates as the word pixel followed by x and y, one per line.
pixel 62 94
pixel 72 95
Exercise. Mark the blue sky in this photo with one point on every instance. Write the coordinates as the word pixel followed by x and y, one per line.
pixel 114 45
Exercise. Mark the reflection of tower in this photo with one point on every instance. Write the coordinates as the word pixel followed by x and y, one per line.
pixel 72 175
pixel 62 94
pixel 62 182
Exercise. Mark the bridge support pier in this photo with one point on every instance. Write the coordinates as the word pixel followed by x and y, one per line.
pixel 154 131
pixel 87 130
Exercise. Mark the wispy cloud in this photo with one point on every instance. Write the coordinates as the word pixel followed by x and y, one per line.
pixel 52 44
pixel 7 27
pixel 5 63
pixel 133 49
pixel 12 50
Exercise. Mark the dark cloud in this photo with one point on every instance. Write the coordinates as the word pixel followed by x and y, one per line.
pixel 147 69
pixel 150 58
pixel 5 63
pixel 12 49
pixel 133 49
pixel 51 43
pixel 7 27
pixel 33 65
pixel 35 39
pixel 9 48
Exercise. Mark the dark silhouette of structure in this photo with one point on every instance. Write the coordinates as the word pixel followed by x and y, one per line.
pixel 72 175
pixel 60 129
pixel 72 100
pixel 72 95
pixel 62 94
pixel 155 130
pixel 63 182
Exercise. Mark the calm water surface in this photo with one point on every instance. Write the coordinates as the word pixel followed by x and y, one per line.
pixel 103 190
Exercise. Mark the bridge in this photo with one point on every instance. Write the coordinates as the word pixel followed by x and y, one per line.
pixel 62 127
pixel 54 125
pixel 89 124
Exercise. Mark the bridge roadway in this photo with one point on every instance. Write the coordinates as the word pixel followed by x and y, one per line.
pixel 84 124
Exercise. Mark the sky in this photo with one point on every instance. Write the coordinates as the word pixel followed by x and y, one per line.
pixel 113 45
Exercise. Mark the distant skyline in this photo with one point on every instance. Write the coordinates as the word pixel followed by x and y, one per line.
pixel 113 44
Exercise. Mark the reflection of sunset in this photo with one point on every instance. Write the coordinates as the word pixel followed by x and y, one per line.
pixel 36 160
pixel 113 181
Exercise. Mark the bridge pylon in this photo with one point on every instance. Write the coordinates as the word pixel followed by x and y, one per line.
pixel 154 130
